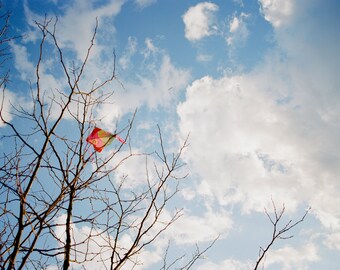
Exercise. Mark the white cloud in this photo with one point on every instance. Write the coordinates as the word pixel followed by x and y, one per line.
pixel 234 24
pixel 162 88
pixel 130 50
pixel 159 87
pixel 150 48
pixel 199 21
pixel 150 53
pixel 7 102
pixel 74 32
pixel 51 86
pixel 238 31
pixel 188 193
pixel 293 258
pixel 226 264
pixel 187 230
pixel 251 145
pixel 144 3
pixel 206 227
pixel 327 202
pixel 332 241
pixel 78 23
pixel 222 150
pixel 94 247
pixel 204 57
pixel 135 169
pixel 75 27
pixel 22 63
pixel 277 12
pixel 271 133
pixel 294 106
pixel 239 2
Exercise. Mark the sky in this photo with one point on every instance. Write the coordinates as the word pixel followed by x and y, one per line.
pixel 254 83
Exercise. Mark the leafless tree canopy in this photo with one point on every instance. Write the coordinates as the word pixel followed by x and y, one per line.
pixel 52 182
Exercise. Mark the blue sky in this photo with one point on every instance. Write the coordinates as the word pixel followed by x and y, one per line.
pixel 256 85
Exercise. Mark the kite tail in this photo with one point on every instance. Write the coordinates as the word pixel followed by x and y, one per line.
pixel 120 139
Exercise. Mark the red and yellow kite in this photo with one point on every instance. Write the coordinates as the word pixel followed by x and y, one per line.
pixel 100 138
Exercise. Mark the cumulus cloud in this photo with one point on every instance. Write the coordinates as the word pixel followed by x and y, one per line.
pixel 252 144
pixel 187 230
pixel 236 150
pixel 22 63
pixel 271 133
pixel 8 101
pixel 199 21
pixel 206 227
pixel 293 258
pixel 135 169
pixel 5 109
pixel 277 12
pixel 333 241
pixel 97 244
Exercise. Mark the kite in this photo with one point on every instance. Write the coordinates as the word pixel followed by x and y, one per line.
pixel 100 138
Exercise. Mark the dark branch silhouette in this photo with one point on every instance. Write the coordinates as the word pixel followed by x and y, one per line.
pixel 279 231
pixel 51 184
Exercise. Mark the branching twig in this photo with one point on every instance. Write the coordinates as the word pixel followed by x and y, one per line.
pixel 279 232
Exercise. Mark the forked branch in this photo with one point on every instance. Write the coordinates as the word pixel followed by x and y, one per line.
pixel 279 232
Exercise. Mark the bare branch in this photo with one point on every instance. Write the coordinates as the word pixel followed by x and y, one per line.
pixel 279 232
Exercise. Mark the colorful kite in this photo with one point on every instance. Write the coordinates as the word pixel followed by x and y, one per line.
pixel 100 138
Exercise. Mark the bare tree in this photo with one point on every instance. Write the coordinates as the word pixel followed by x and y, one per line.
pixel 4 37
pixel 279 232
pixel 51 182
